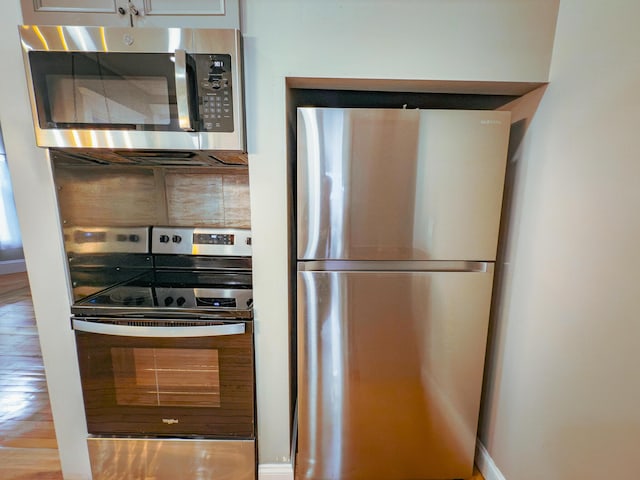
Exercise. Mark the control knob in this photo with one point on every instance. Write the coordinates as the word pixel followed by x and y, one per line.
pixel 180 301
pixel 168 301
pixel 164 238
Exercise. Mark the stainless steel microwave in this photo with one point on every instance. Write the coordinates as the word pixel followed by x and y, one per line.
pixel 135 88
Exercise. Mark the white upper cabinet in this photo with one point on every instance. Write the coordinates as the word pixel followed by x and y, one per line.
pixel 136 13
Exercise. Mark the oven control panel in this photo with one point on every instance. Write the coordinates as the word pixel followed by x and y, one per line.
pixel 96 240
pixel 207 298
pixel 234 242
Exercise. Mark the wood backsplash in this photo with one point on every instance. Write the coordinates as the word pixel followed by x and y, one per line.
pixel 136 196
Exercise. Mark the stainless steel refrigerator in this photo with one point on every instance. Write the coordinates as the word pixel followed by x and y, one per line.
pixel 398 214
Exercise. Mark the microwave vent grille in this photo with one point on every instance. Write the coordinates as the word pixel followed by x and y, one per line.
pixel 153 158
pixel 130 322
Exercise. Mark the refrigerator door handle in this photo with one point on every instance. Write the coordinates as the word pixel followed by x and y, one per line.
pixel 395 266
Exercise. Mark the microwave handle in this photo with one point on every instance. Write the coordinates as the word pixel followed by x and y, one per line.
pixel 182 91
pixel 155 332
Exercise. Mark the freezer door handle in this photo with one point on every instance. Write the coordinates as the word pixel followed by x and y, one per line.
pixel 395 266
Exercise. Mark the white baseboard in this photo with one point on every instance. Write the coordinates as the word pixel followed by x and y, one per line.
pixel 275 471
pixel 12 266
pixel 486 465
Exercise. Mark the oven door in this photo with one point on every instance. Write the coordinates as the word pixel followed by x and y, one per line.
pixel 140 378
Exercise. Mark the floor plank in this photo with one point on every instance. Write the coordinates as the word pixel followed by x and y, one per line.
pixel 12 282
pixel 28 447
pixel 29 463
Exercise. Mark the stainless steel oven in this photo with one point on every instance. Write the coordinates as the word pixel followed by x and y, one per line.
pixel 123 88
pixel 167 377
pixel 166 357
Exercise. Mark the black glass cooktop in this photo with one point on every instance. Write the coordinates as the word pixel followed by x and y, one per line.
pixel 173 293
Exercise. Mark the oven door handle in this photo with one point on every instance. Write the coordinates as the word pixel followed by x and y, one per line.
pixel 175 332
pixel 182 91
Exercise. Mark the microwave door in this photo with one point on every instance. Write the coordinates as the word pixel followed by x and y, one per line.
pixel 105 90
pixel 114 99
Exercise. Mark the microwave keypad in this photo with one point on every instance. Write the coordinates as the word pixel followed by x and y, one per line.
pixel 215 99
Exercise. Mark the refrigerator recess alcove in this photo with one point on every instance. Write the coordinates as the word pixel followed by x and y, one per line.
pixel 398 214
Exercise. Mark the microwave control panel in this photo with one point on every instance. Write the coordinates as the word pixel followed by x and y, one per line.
pixel 214 92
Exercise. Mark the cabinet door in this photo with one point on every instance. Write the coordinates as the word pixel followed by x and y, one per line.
pixel 74 12
pixel 185 7
pixel 95 6
pixel 187 13
pixel 138 13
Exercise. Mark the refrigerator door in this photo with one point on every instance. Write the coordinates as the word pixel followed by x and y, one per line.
pixel 376 184
pixel 390 373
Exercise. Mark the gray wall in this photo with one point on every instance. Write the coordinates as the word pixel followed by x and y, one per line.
pixel 564 390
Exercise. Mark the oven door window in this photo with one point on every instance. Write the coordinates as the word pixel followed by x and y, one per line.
pixel 190 386
pixel 180 377
pixel 75 90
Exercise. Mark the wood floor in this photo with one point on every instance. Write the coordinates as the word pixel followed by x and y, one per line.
pixel 28 448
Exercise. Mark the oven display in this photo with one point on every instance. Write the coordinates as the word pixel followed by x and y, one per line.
pixel 216 302
pixel 213 239
pixel 81 236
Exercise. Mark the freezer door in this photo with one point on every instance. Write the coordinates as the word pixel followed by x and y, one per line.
pixel 376 184
pixel 389 373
